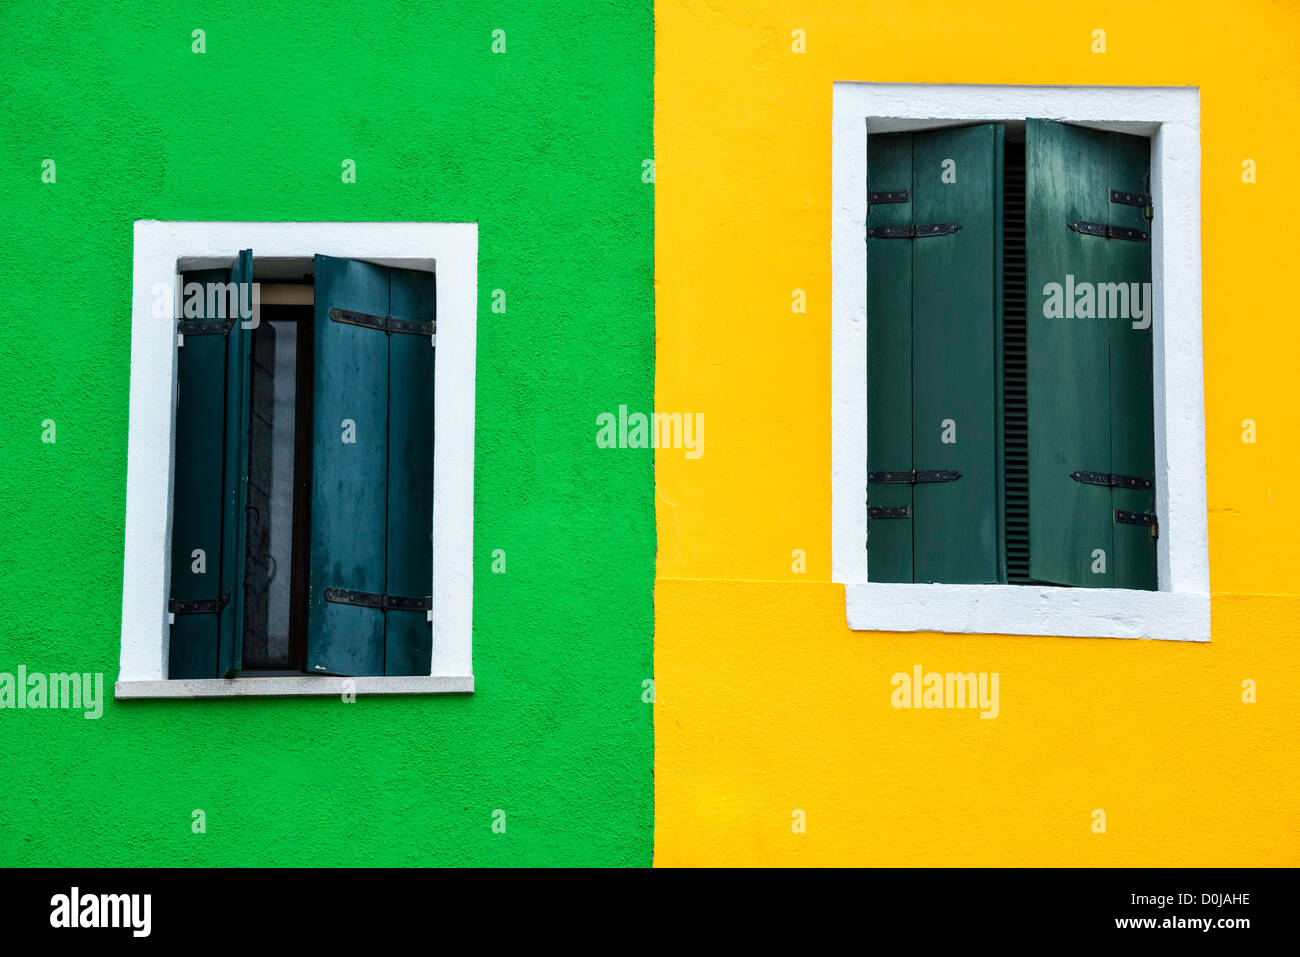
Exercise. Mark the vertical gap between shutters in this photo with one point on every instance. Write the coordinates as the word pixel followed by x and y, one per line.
pixel 1014 369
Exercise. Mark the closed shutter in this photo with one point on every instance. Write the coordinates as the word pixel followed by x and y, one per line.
pixel 889 359
pixel 209 483
pixel 1089 380
pixel 934 355
pixel 372 471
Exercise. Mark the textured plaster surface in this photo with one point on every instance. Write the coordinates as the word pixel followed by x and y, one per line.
pixel 542 147
pixel 767 702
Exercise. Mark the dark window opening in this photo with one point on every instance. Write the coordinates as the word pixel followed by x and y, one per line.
pixel 1015 428
pixel 279 487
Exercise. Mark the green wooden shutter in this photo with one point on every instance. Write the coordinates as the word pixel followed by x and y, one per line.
pixel 1132 420
pixel 408 637
pixel 197 497
pixel 889 359
pixel 934 356
pixel 372 472
pixel 1089 376
pixel 209 485
pixel 956 349
pixel 234 520
pixel 349 464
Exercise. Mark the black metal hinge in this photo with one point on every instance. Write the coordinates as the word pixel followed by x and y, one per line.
pixel 205 327
pixel 1134 199
pixel 889 511
pixel 1112 479
pixel 889 196
pixel 201 606
pixel 1138 518
pixel 414 327
pixel 1109 232
pixel 1129 199
pixel 367 599
pixel 913 477
pixel 912 231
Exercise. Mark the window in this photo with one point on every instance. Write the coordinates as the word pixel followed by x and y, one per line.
pixel 313 575
pixel 1010 421
pixel 319 538
pixel 1016 374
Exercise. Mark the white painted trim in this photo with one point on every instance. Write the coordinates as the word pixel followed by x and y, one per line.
pixel 452 250
pixel 1180 610
pixel 293 686
pixel 1028 610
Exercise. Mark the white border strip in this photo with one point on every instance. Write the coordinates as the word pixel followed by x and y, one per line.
pixel 453 248
pixel 1171 116
pixel 1028 610
pixel 292 686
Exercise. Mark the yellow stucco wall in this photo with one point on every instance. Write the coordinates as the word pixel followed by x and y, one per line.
pixel 765 701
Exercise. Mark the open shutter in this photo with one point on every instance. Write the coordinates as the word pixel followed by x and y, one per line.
pixel 934 300
pixel 197 497
pixel 1088 383
pixel 371 512
pixel 408 637
pixel 234 520
pixel 209 483
pixel 349 462
pixel 1132 420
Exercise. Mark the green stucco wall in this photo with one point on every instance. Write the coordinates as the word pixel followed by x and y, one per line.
pixel 542 146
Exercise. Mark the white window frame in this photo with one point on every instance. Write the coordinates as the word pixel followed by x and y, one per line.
pixel 1180 609
pixel 162 250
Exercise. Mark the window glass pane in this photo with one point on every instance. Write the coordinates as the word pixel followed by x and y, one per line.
pixel 270 496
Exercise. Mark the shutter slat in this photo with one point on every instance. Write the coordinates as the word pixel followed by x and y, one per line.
pixel 408 645
pixel 889 358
